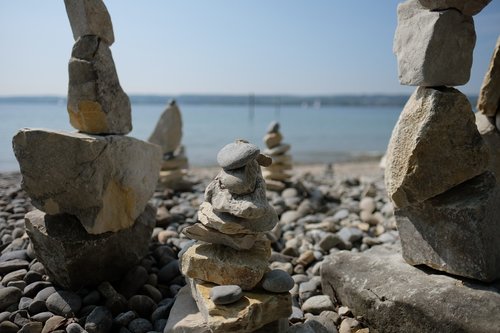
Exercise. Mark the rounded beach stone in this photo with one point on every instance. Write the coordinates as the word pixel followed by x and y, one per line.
pixel 99 320
pixel 237 154
pixel 228 294
pixel 277 281
pixel 9 296
pixel 64 303
pixel 140 325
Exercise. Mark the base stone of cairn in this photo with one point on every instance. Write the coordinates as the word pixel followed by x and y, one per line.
pixel 277 173
pixel 168 134
pixel 229 281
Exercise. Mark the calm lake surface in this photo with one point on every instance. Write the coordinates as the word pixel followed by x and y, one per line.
pixel 323 135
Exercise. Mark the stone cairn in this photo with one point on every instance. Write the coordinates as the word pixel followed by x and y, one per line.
pixel 168 134
pixel 437 176
pixel 276 174
pixel 91 187
pixel 230 287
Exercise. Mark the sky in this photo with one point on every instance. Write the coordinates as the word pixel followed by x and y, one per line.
pixel 225 46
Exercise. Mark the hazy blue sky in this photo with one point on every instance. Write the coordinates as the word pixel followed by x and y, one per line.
pixel 224 46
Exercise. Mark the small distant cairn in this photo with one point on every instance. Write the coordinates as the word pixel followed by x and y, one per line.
pixel 438 175
pixel 277 174
pixel 230 287
pixel 168 135
pixel 91 187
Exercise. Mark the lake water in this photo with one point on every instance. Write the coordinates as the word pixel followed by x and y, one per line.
pixel 326 134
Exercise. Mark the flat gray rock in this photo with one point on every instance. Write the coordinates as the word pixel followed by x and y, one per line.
pixel 241 180
pixel 433 48
pixel 277 281
pixel 90 17
pixel 488 101
pixel 228 294
pixel 185 316
pixel 64 303
pixel 237 154
pixel 466 7
pixel 97 103
pixel 317 304
pixel 395 297
pixel 168 131
pixel 203 233
pixel 278 150
pixel 105 181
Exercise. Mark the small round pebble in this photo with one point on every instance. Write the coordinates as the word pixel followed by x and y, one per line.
pixel 228 294
pixel 75 328
pixel 140 325
pixel 317 304
pixel 277 281
pixel 237 154
pixel 64 303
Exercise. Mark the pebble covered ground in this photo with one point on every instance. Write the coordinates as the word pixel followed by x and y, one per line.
pixel 324 210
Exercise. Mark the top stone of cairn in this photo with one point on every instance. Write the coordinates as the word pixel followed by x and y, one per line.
pixel 466 7
pixel 168 131
pixel 237 154
pixel 90 17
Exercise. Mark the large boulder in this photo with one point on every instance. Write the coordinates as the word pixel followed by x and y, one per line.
pixel 395 297
pixel 105 181
pixel 466 7
pixel 488 102
pixel 90 17
pixel 433 48
pixel 491 136
pixel 74 258
pixel 168 131
pixel 97 103
pixel 456 231
pixel 434 146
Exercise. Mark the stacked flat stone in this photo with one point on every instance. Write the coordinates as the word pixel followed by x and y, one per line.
pixel 277 173
pixel 168 135
pixel 227 267
pixel 91 188
pixel 437 173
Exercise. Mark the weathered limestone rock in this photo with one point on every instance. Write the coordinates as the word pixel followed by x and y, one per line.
pixel 90 17
pixel 488 102
pixel 491 137
pixel 241 180
pixel 456 231
pixel 168 131
pixel 251 312
pixel 185 316
pixel 434 146
pixel 105 181
pixel 237 154
pixel 200 232
pixel 277 150
pixel 466 7
pixel 395 297
pixel 223 265
pixel 74 258
pixel 97 103
pixel 433 48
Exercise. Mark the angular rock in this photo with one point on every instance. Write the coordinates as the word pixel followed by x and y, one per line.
pixel 185 316
pixel 203 233
pixel 105 181
pixel 237 154
pixel 241 180
pixel 491 136
pixel 168 131
pixel 264 160
pixel 97 103
pixel 466 7
pixel 225 266
pixel 251 312
pixel 222 295
pixel 90 17
pixel 73 258
pixel 395 297
pixel 433 48
pixel 455 232
pixel 488 102
pixel 435 127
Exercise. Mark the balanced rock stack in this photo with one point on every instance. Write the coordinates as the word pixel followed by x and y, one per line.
pixel 437 173
pixel 168 134
pixel 91 187
pixel 227 267
pixel 276 174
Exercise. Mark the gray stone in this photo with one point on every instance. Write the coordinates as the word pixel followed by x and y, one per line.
pixel 350 234
pixel 123 319
pixel 278 150
pixel 185 316
pixel 329 319
pixel 8 327
pixel 99 320
pixel 491 136
pixel 168 131
pixel 455 232
pixel 97 103
pixel 241 180
pixel 329 241
pixel 90 17
pixel 237 154
pixel 466 7
pixel 273 127
pixel 74 258
pixel 75 328
pixel 142 305
pixel 317 304
pixel 396 297
pixel 9 296
pixel 64 303
pixel 277 281
pixel 488 102
pixel 133 281
pixel 168 272
pixel 203 233
pixel 272 140
pixel 222 295
pixel 32 327
pixel 433 48
pixel 41 290
pixel 140 325
pixel 435 127
pixel 42 316
pixel 105 181
pixel 12 265
pixel 310 326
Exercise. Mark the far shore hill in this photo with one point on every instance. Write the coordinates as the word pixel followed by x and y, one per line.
pixel 250 99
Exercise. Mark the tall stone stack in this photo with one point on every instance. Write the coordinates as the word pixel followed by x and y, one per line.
pixel 168 135
pixel 227 267
pixel 446 199
pixel 91 187
pixel 277 173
